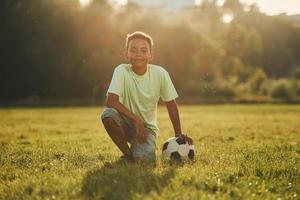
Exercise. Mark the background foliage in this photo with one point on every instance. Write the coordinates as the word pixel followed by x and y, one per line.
pixel 55 51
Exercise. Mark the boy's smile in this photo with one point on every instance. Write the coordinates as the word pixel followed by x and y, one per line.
pixel 139 55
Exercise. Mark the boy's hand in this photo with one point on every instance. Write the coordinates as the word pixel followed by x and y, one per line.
pixel 186 138
pixel 141 135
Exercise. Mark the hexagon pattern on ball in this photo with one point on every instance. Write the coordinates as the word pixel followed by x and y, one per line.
pixel 191 154
pixel 178 149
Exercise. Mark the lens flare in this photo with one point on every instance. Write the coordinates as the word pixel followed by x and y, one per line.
pixel 227 18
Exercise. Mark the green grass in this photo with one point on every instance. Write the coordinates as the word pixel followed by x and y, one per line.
pixel 242 152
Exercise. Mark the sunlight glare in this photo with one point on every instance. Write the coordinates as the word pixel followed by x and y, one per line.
pixel 118 3
pixel 220 2
pixel 198 2
pixel 85 3
pixel 227 18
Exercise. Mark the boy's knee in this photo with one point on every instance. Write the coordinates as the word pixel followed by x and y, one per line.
pixel 109 112
pixel 110 116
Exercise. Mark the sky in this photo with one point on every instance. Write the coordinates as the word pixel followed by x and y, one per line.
pixel 273 7
pixel 270 7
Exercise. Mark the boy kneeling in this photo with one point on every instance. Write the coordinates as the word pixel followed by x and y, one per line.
pixel 132 98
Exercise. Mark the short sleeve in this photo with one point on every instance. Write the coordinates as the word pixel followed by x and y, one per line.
pixel 117 82
pixel 167 89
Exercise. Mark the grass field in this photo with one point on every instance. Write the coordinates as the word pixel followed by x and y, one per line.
pixel 242 152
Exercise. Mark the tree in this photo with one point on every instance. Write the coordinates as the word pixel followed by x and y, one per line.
pixel 233 5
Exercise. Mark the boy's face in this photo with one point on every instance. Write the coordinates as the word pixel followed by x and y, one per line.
pixel 138 53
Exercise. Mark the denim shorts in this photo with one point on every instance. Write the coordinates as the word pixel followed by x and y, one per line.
pixel 146 149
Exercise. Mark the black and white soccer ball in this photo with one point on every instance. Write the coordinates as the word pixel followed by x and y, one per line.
pixel 178 149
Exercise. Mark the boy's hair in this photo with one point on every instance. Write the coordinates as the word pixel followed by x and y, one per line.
pixel 139 35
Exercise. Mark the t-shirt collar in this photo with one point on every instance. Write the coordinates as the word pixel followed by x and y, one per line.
pixel 139 76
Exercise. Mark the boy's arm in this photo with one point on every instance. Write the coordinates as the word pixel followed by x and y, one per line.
pixel 113 102
pixel 174 116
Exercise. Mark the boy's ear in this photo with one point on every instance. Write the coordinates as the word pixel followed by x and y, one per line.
pixel 152 55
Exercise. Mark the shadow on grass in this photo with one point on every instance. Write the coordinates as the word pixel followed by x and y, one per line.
pixel 123 180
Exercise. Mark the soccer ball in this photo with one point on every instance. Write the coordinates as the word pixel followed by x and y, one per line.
pixel 178 149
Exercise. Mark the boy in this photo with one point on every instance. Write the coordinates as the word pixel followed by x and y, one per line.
pixel 132 99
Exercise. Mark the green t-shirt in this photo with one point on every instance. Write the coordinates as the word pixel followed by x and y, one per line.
pixel 140 93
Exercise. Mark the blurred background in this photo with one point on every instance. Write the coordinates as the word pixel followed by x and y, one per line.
pixel 63 52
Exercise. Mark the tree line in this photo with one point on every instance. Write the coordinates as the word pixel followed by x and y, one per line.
pixel 58 51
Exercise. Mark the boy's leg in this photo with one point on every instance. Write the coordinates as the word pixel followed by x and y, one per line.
pixel 112 122
pixel 145 151
pixel 117 135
